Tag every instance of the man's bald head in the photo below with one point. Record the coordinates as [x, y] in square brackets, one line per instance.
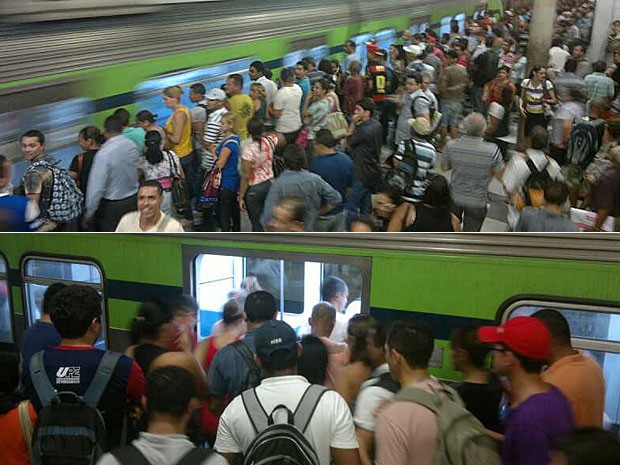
[323, 319]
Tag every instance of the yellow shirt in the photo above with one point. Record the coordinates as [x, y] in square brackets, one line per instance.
[184, 147]
[243, 108]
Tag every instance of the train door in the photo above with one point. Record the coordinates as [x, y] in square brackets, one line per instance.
[595, 330]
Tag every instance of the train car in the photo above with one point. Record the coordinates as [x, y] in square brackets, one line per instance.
[61, 75]
[447, 280]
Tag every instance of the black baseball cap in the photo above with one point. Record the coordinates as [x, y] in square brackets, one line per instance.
[276, 345]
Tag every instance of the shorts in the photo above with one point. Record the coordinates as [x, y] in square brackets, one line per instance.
[532, 120]
[452, 112]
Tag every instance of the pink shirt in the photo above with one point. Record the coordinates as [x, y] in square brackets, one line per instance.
[262, 156]
[406, 433]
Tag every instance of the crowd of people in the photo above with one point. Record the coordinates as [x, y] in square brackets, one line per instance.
[335, 146]
[353, 390]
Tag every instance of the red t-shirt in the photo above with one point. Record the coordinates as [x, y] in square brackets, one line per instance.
[13, 449]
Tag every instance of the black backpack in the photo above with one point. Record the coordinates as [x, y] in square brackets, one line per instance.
[131, 455]
[533, 189]
[402, 175]
[431, 106]
[583, 143]
[385, 381]
[254, 376]
[70, 430]
[282, 443]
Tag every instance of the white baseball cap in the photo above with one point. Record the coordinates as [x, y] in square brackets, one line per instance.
[216, 94]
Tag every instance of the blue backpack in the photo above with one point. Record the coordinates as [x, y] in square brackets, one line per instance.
[583, 143]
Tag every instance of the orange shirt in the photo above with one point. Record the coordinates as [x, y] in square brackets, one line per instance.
[13, 449]
[581, 380]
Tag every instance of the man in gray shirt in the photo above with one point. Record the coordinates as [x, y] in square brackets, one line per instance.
[113, 180]
[171, 398]
[473, 161]
[549, 218]
[295, 181]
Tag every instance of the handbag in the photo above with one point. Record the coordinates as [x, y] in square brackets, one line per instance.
[210, 188]
[302, 138]
[180, 197]
[337, 124]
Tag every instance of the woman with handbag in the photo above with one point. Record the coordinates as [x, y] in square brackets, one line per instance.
[256, 171]
[161, 166]
[227, 157]
[536, 93]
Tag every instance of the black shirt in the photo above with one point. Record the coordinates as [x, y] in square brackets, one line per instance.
[87, 163]
[365, 148]
[144, 354]
[483, 401]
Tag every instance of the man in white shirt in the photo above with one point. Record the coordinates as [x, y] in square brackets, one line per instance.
[257, 73]
[330, 430]
[557, 55]
[336, 292]
[285, 106]
[149, 217]
[213, 135]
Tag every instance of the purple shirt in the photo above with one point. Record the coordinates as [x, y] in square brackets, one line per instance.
[533, 426]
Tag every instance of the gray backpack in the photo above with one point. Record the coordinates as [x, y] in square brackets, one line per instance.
[462, 438]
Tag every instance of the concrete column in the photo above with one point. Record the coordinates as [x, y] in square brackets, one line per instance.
[605, 13]
[541, 31]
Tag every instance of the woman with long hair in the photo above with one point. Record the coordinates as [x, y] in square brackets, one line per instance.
[178, 127]
[227, 155]
[536, 92]
[161, 166]
[258, 94]
[256, 171]
[90, 139]
[433, 214]
[317, 109]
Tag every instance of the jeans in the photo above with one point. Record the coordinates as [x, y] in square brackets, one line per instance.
[229, 214]
[476, 100]
[254, 203]
[358, 202]
[472, 217]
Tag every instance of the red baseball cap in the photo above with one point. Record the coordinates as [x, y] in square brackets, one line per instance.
[524, 335]
[372, 47]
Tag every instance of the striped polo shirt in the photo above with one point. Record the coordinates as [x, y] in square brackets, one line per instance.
[472, 161]
[426, 155]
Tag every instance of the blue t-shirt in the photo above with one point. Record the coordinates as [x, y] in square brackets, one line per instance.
[230, 173]
[305, 88]
[72, 369]
[337, 170]
[15, 217]
[532, 427]
[229, 370]
[39, 336]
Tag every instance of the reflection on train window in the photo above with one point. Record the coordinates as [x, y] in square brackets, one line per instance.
[296, 285]
[385, 38]
[6, 327]
[318, 53]
[149, 93]
[39, 273]
[596, 331]
[445, 25]
[461, 19]
[59, 121]
[360, 48]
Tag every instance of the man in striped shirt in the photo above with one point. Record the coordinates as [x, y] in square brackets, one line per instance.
[213, 135]
[425, 155]
[473, 162]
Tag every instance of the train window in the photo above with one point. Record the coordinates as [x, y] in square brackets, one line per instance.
[6, 326]
[461, 19]
[385, 38]
[445, 25]
[595, 329]
[39, 273]
[295, 282]
[148, 94]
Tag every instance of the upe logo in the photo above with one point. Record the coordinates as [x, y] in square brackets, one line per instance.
[68, 375]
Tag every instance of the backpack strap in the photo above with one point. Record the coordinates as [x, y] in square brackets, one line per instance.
[102, 377]
[307, 405]
[532, 166]
[195, 456]
[164, 224]
[243, 350]
[419, 396]
[256, 412]
[387, 382]
[130, 455]
[42, 385]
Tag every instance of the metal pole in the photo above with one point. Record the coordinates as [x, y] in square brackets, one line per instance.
[541, 31]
